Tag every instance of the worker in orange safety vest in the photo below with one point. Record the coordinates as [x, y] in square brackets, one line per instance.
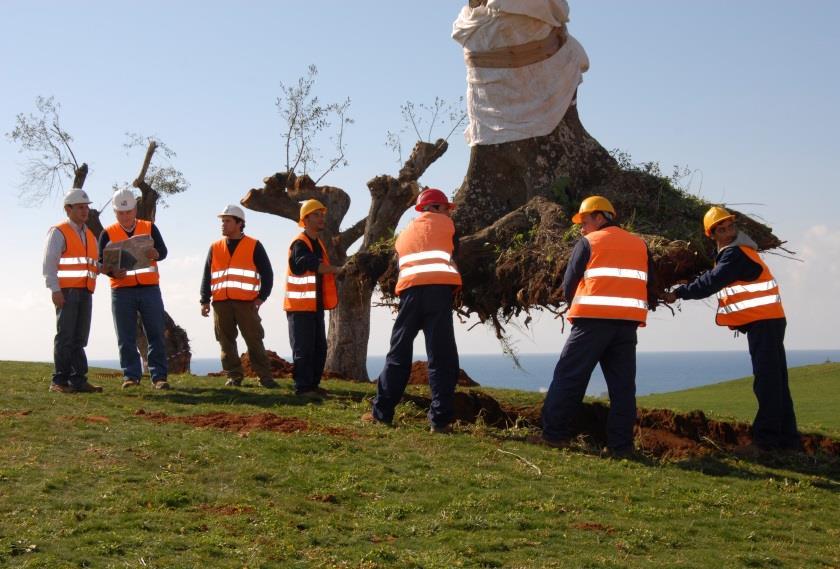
[310, 290]
[70, 269]
[749, 301]
[427, 282]
[607, 285]
[238, 278]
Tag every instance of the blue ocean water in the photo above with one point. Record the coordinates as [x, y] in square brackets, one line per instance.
[656, 372]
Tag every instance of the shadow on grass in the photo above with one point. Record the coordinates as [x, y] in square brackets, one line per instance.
[824, 469]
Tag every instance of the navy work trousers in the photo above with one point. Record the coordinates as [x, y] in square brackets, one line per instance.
[71, 336]
[611, 343]
[126, 304]
[427, 308]
[308, 337]
[775, 423]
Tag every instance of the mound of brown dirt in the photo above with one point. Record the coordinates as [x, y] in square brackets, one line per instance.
[658, 432]
[244, 424]
[420, 376]
[279, 366]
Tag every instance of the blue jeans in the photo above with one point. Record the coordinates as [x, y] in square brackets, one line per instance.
[775, 422]
[427, 308]
[126, 303]
[593, 341]
[72, 327]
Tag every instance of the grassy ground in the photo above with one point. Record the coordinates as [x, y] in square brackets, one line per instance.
[87, 482]
[815, 390]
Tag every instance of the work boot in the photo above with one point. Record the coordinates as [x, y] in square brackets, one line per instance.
[370, 419]
[161, 384]
[269, 383]
[310, 394]
[323, 392]
[620, 453]
[441, 430]
[87, 388]
[61, 388]
[128, 383]
[232, 382]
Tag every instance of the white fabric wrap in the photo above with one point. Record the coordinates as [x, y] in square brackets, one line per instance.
[515, 104]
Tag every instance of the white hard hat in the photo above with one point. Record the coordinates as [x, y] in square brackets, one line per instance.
[124, 200]
[76, 196]
[234, 211]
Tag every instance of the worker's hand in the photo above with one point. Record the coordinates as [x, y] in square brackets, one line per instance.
[257, 303]
[58, 299]
[668, 297]
[118, 273]
[152, 254]
[205, 310]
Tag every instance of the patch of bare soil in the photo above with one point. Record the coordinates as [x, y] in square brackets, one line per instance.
[93, 419]
[226, 510]
[13, 413]
[420, 375]
[244, 424]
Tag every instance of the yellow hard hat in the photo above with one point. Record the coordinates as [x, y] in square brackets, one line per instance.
[714, 216]
[593, 203]
[308, 207]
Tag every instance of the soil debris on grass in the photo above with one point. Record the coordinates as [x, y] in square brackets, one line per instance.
[15, 413]
[93, 419]
[420, 375]
[226, 510]
[244, 424]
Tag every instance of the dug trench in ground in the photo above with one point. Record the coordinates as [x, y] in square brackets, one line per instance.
[658, 432]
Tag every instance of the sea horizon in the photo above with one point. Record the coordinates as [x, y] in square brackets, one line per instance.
[657, 371]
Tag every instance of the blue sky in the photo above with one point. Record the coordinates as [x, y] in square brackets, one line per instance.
[745, 93]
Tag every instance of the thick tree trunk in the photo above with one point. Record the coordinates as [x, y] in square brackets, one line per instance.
[350, 326]
[390, 197]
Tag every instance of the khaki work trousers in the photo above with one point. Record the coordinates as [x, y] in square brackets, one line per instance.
[230, 315]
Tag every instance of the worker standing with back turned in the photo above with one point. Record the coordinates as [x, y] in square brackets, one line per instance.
[607, 286]
[426, 286]
[749, 301]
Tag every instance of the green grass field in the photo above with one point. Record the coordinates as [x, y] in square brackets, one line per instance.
[86, 481]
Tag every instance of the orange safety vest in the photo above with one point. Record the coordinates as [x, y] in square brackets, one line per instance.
[614, 285]
[234, 278]
[302, 290]
[425, 252]
[77, 267]
[147, 276]
[743, 302]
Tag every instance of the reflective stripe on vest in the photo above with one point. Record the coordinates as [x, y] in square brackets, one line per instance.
[614, 283]
[302, 290]
[145, 276]
[78, 264]
[234, 277]
[743, 302]
[425, 252]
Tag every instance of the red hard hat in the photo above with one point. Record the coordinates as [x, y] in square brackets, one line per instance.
[432, 196]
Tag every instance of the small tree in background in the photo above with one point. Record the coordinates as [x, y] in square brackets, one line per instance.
[51, 161]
